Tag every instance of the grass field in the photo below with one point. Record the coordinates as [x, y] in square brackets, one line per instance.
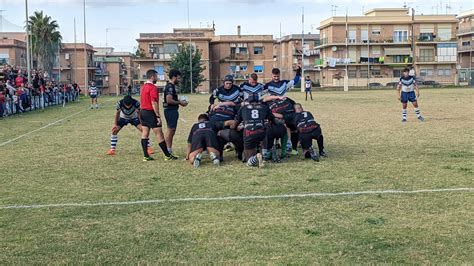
[369, 149]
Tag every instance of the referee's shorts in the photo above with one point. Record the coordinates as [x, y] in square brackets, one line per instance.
[149, 119]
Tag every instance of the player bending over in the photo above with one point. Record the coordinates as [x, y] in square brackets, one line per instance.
[203, 137]
[128, 112]
[308, 129]
[254, 114]
[407, 90]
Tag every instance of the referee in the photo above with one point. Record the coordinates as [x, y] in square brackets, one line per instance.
[150, 116]
[171, 105]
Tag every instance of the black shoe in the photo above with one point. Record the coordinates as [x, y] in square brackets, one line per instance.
[323, 154]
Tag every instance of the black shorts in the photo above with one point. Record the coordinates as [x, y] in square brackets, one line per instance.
[276, 131]
[252, 138]
[93, 96]
[288, 117]
[123, 122]
[149, 119]
[306, 139]
[171, 116]
[203, 140]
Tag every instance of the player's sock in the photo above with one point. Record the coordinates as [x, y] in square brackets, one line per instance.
[113, 141]
[164, 148]
[404, 114]
[149, 143]
[294, 141]
[417, 112]
[252, 161]
[145, 148]
[170, 150]
[284, 142]
[215, 160]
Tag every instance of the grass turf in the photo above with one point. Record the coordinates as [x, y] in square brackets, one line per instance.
[369, 149]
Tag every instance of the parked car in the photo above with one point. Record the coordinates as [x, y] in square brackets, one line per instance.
[375, 85]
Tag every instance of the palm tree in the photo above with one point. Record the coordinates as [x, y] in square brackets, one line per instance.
[45, 39]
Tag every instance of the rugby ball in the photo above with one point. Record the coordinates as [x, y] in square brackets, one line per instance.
[184, 99]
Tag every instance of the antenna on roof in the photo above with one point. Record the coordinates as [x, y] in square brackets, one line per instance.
[333, 10]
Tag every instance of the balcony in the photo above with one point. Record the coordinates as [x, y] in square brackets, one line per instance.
[430, 38]
[101, 73]
[237, 58]
[466, 48]
[465, 31]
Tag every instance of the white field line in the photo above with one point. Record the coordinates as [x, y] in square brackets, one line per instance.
[235, 198]
[184, 121]
[45, 126]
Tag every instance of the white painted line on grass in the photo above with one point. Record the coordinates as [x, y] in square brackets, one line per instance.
[184, 121]
[45, 126]
[235, 198]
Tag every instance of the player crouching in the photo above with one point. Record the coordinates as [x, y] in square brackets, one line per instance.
[203, 136]
[128, 111]
[308, 130]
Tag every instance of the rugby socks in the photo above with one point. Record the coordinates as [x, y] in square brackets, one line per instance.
[417, 112]
[113, 141]
[294, 140]
[170, 150]
[284, 142]
[253, 161]
[164, 148]
[149, 143]
[145, 148]
[320, 141]
[404, 114]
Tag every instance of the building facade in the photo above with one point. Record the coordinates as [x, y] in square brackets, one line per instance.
[383, 42]
[465, 36]
[13, 49]
[71, 66]
[155, 51]
[113, 70]
[241, 55]
[289, 55]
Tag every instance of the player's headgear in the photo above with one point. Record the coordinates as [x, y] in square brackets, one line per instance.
[229, 78]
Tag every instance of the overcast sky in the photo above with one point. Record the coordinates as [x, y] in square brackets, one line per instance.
[125, 19]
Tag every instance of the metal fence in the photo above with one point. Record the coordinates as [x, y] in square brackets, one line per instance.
[13, 106]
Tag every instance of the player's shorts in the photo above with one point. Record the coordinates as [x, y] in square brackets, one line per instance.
[408, 97]
[149, 119]
[306, 139]
[93, 96]
[203, 140]
[307, 89]
[276, 131]
[252, 138]
[123, 122]
[171, 116]
[288, 117]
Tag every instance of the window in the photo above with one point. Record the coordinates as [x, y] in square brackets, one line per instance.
[426, 55]
[243, 68]
[400, 58]
[258, 69]
[444, 32]
[400, 36]
[376, 30]
[444, 72]
[447, 52]
[397, 72]
[352, 74]
[363, 73]
[364, 35]
[468, 43]
[258, 50]
[353, 53]
[243, 50]
[425, 72]
[170, 48]
[352, 36]
[66, 56]
[376, 72]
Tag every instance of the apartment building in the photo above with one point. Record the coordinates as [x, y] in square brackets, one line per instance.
[289, 54]
[113, 70]
[155, 51]
[465, 36]
[13, 49]
[241, 55]
[383, 42]
[70, 64]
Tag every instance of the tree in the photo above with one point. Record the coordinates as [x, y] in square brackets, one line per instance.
[45, 39]
[181, 62]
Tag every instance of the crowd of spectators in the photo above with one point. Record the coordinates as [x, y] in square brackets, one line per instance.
[17, 95]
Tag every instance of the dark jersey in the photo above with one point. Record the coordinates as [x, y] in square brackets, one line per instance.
[170, 89]
[254, 116]
[223, 95]
[284, 107]
[304, 122]
[248, 89]
[206, 127]
[128, 113]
